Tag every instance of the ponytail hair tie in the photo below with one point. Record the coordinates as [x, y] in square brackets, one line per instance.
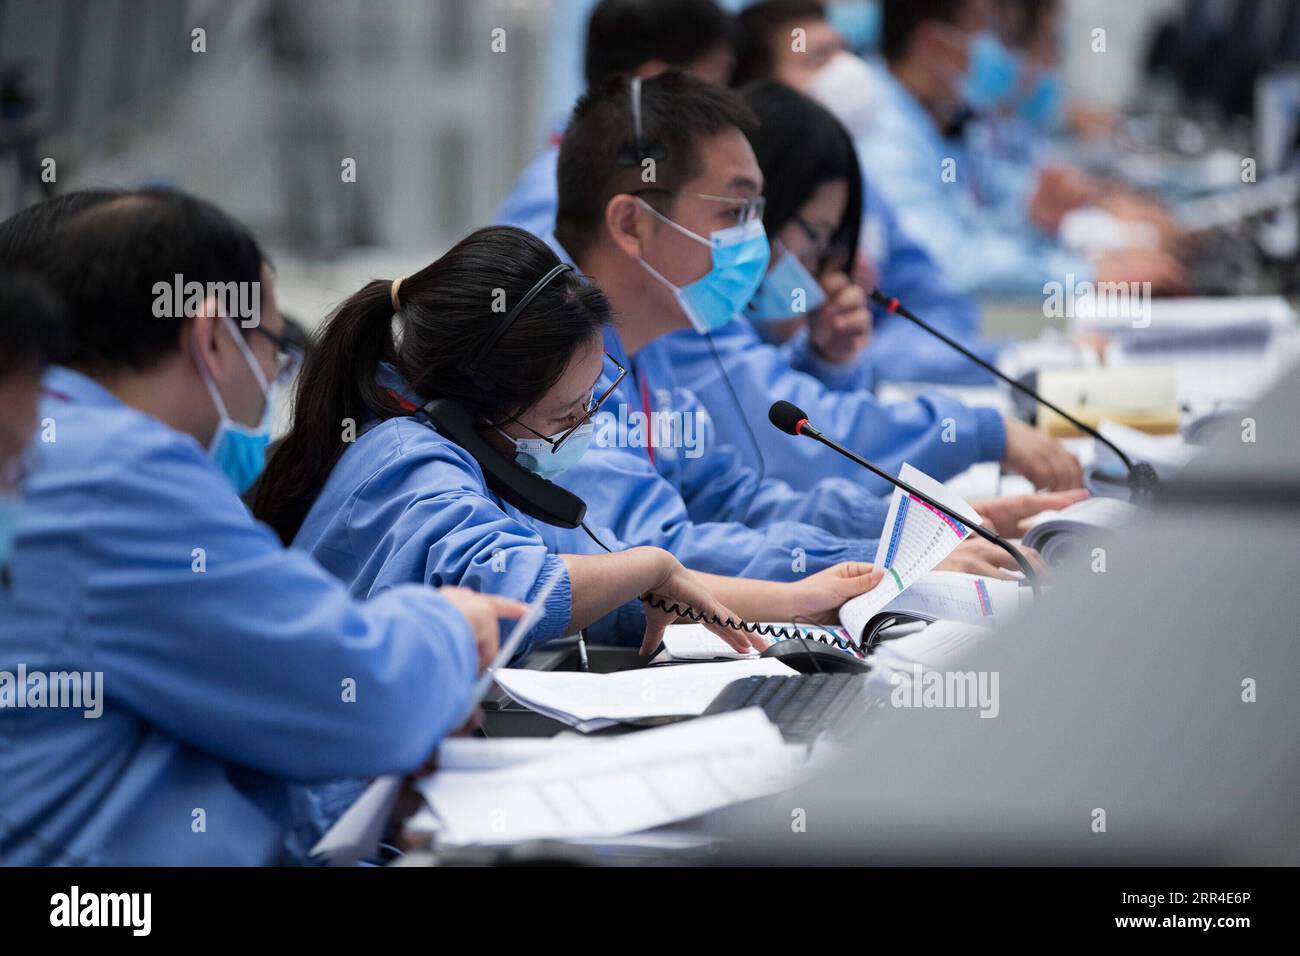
[392, 294]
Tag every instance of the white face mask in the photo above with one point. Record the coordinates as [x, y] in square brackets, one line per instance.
[541, 457]
[238, 450]
[848, 87]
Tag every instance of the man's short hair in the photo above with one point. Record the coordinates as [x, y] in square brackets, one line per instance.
[31, 324]
[625, 34]
[26, 236]
[900, 19]
[760, 27]
[599, 158]
[111, 256]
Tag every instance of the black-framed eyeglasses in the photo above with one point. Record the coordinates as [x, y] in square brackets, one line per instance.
[593, 406]
[288, 355]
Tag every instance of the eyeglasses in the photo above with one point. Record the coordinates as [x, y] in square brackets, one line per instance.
[824, 246]
[288, 355]
[746, 210]
[593, 406]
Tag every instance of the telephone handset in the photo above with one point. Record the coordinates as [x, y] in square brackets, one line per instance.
[547, 501]
[527, 491]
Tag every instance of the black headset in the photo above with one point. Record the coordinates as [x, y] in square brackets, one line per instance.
[638, 150]
[526, 490]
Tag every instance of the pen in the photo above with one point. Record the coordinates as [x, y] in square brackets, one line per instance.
[583, 664]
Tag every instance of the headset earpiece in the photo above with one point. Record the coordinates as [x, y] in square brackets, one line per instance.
[637, 151]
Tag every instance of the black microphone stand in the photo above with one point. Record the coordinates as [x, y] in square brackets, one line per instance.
[1142, 478]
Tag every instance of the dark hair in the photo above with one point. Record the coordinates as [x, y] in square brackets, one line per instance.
[799, 146]
[1026, 18]
[26, 236]
[757, 34]
[31, 324]
[900, 19]
[448, 311]
[625, 34]
[111, 255]
[677, 111]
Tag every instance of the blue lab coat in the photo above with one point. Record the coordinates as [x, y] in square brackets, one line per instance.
[407, 505]
[905, 157]
[223, 658]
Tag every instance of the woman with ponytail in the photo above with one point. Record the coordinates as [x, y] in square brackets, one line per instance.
[381, 497]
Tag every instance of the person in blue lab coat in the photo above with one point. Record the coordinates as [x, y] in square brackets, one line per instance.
[943, 64]
[33, 332]
[886, 256]
[688, 260]
[513, 339]
[220, 673]
[915, 431]
[638, 38]
[816, 332]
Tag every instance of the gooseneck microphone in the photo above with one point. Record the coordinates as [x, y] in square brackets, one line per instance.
[791, 420]
[1142, 478]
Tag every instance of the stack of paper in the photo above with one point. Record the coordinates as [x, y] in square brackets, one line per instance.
[1062, 536]
[617, 786]
[933, 647]
[952, 596]
[592, 701]
[1167, 454]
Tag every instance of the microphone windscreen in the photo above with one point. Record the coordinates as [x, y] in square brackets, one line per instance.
[786, 417]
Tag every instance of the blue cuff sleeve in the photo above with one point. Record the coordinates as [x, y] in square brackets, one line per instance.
[623, 627]
[558, 610]
[991, 434]
[315, 809]
[854, 376]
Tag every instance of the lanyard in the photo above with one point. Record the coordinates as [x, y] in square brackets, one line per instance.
[649, 414]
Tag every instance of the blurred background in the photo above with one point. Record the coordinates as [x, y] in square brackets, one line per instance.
[439, 125]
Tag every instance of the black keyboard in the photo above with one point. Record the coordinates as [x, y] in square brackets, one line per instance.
[801, 705]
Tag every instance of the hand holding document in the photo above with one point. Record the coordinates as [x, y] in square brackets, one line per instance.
[952, 596]
[915, 539]
[1061, 537]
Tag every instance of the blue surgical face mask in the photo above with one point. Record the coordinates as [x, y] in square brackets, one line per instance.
[1044, 105]
[992, 74]
[740, 256]
[238, 450]
[541, 457]
[10, 506]
[857, 22]
[788, 290]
